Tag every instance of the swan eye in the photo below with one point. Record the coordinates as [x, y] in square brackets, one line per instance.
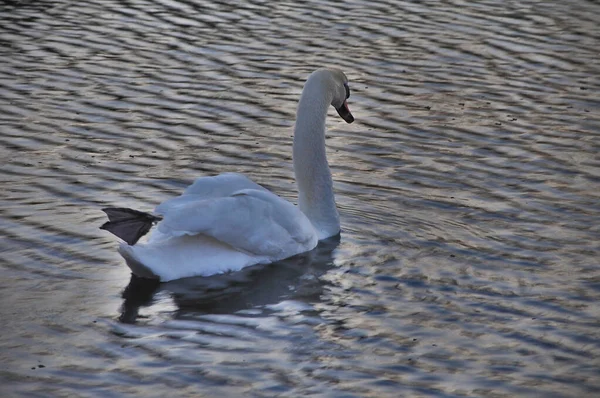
[347, 90]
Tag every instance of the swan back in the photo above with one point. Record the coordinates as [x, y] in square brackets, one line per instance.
[209, 229]
[209, 188]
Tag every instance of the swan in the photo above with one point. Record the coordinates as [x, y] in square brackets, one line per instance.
[227, 222]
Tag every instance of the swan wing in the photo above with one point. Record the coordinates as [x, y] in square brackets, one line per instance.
[222, 185]
[253, 221]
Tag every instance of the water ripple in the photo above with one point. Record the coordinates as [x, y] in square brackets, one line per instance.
[467, 264]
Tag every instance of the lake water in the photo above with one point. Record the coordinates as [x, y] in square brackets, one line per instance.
[468, 188]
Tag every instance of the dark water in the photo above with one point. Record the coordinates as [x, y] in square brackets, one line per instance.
[469, 193]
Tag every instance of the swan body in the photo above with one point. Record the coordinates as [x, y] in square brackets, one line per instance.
[227, 222]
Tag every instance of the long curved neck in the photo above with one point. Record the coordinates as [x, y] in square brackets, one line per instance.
[313, 177]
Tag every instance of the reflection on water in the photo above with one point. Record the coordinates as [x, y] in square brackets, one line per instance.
[297, 278]
[467, 188]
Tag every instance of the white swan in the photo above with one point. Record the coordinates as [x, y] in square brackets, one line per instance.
[228, 222]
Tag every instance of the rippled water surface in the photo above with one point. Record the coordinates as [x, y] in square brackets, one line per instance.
[468, 188]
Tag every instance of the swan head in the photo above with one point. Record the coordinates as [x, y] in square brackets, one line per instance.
[341, 93]
[336, 83]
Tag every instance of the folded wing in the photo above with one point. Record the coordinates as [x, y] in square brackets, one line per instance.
[253, 221]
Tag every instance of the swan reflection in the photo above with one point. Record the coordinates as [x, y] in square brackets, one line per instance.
[296, 278]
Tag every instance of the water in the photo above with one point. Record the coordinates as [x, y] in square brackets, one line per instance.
[468, 190]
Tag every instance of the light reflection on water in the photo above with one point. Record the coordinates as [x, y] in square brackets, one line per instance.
[468, 263]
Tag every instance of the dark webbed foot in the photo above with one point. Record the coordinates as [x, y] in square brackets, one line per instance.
[128, 224]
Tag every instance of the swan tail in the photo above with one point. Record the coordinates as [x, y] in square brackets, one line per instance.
[128, 224]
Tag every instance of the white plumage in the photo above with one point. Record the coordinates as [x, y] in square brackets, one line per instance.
[227, 222]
